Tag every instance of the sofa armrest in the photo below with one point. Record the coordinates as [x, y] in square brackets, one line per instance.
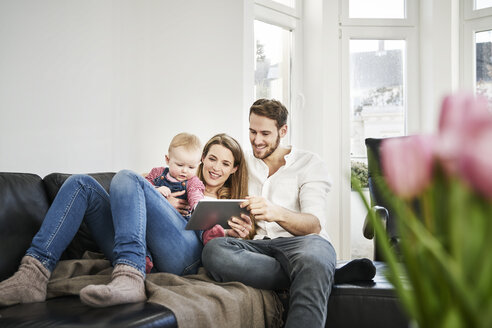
[23, 205]
[381, 213]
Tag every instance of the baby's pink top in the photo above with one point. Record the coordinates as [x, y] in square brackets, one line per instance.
[194, 186]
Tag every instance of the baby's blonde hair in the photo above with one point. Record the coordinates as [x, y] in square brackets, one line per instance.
[186, 140]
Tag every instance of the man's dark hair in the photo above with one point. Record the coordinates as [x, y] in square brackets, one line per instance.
[271, 108]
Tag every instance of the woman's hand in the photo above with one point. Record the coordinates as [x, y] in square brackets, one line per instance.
[180, 204]
[240, 226]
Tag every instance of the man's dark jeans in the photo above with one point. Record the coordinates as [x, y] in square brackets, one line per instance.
[305, 264]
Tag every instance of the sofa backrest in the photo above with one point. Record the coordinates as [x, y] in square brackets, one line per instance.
[83, 240]
[23, 205]
[54, 181]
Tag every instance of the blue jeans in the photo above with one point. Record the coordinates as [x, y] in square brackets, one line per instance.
[305, 264]
[132, 218]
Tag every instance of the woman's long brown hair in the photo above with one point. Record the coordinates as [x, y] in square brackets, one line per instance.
[236, 186]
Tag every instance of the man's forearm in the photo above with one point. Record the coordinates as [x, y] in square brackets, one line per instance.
[298, 224]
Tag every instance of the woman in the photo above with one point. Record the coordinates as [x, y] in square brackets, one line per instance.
[134, 217]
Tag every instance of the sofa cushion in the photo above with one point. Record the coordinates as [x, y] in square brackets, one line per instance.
[366, 304]
[82, 241]
[23, 205]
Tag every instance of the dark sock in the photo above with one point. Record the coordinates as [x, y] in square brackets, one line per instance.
[355, 270]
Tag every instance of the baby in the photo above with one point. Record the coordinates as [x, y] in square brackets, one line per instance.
[184, 155]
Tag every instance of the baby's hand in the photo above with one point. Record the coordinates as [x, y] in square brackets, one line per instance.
[165, 191]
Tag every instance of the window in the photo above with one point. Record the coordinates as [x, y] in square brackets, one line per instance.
[378, 13]
[476, 70]
[272, 66]
[276, 43]
[481, 4]
[379, 57]
[483, 64]
[377, 8]
[377, 92]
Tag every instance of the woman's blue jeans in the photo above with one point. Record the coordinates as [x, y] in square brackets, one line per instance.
[132, 218]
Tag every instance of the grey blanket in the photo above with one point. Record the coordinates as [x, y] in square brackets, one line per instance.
[195, 300]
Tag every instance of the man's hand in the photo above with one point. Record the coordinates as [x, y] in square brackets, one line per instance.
[165, 191]
[240, 226]
[298, 224]
[262, 208]
[180, 204]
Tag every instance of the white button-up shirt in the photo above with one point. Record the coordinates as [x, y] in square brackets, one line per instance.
[301, 185]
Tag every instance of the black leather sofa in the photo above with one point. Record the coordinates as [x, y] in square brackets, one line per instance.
[24, 200]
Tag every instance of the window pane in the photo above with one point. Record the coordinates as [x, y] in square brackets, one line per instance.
[481, 4]
[377, 102]
[289, 3]
[377, 9]
[272, 69]
[377, 92]
[483, 46]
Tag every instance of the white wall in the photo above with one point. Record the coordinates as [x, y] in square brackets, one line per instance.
[439, 57]
[90, 86]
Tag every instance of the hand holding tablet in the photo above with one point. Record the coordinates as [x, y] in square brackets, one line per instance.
[210, 212]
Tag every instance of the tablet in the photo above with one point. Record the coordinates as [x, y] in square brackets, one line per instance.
[209, 212]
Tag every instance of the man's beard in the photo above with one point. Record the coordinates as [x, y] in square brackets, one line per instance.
[269, 150]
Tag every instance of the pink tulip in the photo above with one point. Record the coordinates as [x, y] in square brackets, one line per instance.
[460, 108]
[407, 164]
[460, 112]
[476, 157]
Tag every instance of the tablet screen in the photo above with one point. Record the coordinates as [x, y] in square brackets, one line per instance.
[210, 212]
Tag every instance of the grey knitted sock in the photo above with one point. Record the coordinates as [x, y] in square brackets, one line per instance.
[127, 286]
[27, 285]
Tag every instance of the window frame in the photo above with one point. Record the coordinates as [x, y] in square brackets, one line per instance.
[289, 18]
[351, 28]
[470, 13]
[412, 119]
[280, 8]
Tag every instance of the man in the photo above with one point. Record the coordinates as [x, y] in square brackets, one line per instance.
[289, 189]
